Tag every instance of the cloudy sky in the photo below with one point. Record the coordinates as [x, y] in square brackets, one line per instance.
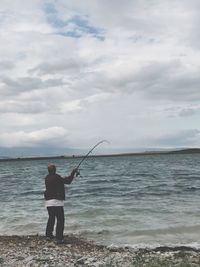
[75, 72]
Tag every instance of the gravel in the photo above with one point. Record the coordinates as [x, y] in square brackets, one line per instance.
[35, 251]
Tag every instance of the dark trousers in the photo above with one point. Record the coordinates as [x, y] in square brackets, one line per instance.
[58, 214]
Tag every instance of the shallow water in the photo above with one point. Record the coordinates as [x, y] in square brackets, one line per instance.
[133, 200]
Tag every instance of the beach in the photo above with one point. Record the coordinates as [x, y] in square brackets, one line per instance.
[35, 250]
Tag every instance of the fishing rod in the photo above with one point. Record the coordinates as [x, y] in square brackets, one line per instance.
[84, 158]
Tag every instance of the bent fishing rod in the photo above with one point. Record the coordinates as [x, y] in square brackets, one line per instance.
[86, 156]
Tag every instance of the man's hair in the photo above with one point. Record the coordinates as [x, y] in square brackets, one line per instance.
[51, 169]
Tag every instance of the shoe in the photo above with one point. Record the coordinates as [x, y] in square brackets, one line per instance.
[60, 241]
[49, 238]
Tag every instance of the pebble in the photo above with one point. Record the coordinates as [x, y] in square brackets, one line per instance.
[35, 251]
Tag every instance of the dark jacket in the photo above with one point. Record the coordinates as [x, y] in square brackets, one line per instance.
[55, 188]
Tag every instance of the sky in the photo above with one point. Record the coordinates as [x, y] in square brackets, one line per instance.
[75, 72]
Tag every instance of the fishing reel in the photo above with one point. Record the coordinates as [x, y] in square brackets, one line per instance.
[77, 168]
[78, 173]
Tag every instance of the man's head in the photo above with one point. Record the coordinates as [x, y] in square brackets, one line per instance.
[51, 169]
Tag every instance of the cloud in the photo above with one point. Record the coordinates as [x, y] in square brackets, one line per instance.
[20, 17]
[168, 80]
[71, 106]
[122, 69]
[187, 112]
[11, 86]
[184, 138]
[31, 107]
[81, 104]
[6, 65]
[183, 110]
[70, 24]
[68, 65]
[53, 136]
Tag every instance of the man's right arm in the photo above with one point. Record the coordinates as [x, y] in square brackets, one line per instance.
[69, 179]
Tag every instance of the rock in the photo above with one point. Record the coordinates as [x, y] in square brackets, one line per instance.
[29, 258]
[81, 260]
[99, 264]
[83, 254]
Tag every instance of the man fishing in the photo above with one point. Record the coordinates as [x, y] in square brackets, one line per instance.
[54, 201]
[55, 196]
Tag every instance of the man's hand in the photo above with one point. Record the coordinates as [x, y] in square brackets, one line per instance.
[75, 172]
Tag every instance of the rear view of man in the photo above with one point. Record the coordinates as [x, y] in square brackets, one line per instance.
[54, 201]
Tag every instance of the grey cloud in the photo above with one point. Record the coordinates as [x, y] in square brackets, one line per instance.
[187, 112]
[47, 136]
[31, 107]
[65, 64]
[146, 19]
[53, 68]
[189, 31]
[168, 81]
[182, 138]
[157, 81]
[164, 80]
[15, 86]
[6, 65]
[146, 76]
[174, 112]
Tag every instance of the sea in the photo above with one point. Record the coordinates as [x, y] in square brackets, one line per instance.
[136, 201]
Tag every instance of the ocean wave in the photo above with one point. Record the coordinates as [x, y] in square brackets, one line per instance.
[192, 188]
[93, 232]
[143, 232]
[186, 188]
[120, 194]
[165, 231]
[31, 192]
[145, 193]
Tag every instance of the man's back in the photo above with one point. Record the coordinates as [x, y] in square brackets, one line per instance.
[54, 187]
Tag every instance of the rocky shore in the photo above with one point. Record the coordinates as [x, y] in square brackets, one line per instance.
[37, 251]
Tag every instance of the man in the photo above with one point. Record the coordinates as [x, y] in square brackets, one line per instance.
[54, 201]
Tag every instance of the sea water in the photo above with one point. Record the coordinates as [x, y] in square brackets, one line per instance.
[138, 201]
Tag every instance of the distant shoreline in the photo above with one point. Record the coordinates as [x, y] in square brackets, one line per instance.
[147, 153]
